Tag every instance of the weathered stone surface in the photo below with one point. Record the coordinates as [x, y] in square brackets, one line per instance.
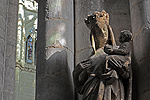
[137, 23]
[60, 9]
[1, 78]
[55, 50]
[83, 45]
[55, 80]
[82, 33]
[8, 31]
[119, 12]
[142, 79]
[140, 14]
[60, 30]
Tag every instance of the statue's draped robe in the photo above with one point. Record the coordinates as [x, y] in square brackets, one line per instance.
[98, 80]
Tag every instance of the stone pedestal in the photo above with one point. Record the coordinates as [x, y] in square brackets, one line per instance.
[55, 50]
[140, 18]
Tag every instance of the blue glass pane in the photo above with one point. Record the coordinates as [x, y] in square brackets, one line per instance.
[29, 61]
[29, 49]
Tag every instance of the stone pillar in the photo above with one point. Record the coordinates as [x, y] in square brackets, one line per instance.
[140, 20]
[55, 50]
[8, 34]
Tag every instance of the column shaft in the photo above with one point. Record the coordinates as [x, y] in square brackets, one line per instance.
[8, 34]
[55, 50]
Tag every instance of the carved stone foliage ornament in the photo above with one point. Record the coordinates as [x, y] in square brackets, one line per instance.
[106, 75]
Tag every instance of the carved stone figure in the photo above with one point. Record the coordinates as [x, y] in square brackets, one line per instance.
[101, 32]
[107, 74]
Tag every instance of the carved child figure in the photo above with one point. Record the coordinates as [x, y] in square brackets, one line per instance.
[117, 68]
[120, 58]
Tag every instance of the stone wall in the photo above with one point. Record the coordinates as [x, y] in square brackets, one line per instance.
[8, 32]
[140, 18]
[119, 14]
[25, 85]
[83, 46]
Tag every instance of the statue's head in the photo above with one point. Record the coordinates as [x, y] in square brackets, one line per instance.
[125, 36]
[99, 18]
[90, 21]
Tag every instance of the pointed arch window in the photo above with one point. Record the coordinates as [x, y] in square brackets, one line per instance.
[29, 49]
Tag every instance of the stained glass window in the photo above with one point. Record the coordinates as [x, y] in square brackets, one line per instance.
[29, 49]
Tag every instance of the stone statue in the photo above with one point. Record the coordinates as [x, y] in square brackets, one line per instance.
[107, 74]
[101, 32]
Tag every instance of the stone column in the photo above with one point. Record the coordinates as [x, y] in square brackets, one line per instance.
[140, 20]
[8, 34]
[55, 50]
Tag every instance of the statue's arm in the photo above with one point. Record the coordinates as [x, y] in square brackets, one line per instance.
[119, 51]
[122, 50]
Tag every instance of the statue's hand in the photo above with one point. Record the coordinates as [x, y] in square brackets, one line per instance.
[108, 49]
[108, 46]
